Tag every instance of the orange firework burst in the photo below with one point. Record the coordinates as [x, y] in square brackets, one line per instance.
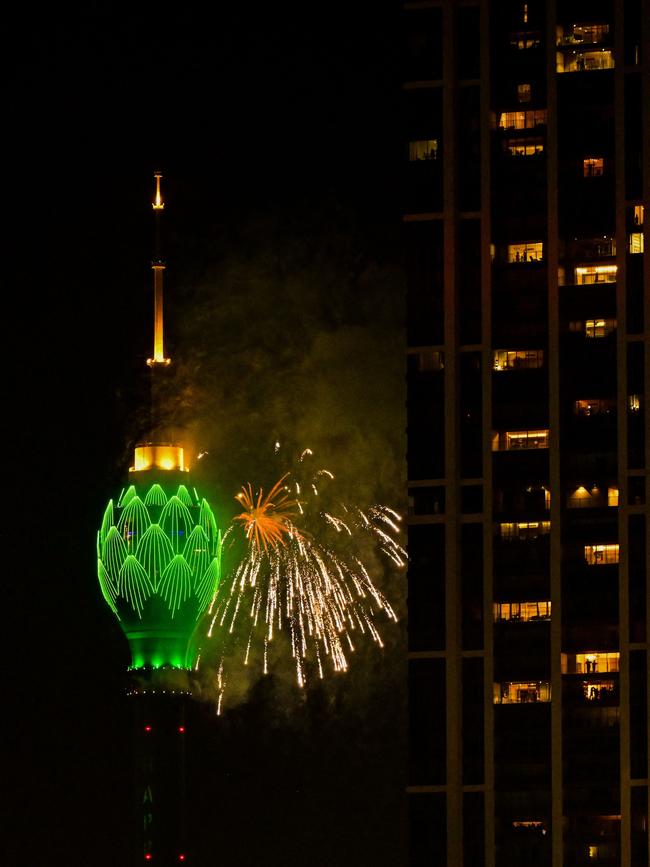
[267, 519]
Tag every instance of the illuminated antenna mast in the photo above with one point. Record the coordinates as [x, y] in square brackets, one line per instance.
[158, 267]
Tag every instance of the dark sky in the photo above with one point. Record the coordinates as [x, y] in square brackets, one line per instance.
[256, 117]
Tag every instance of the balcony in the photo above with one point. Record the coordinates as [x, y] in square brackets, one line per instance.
[517, 359]
[588, 274]
[522, 612]
[592, 692]
[584, 60]
[592, 498]
[519, 440]
[601, 555]
[573, 35]
[591, 662]
[522, 692]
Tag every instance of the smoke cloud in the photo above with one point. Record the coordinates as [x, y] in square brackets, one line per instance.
[294, 335]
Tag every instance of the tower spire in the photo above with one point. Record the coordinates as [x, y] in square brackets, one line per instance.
[158, 267]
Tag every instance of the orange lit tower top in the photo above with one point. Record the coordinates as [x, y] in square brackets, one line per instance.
[156, 454]
[158, 267]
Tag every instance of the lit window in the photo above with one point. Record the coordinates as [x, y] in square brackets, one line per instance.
[522, 692]
[592, 852]
[598, 690]
[525, 13]
[524, 92]
[522, 611]
[530, 825]
[591, 662]
[599, 327]
[163, 457]
[601, 555]
[516, 440]
[634, 402]
[518, 359]
[638, 215]
[598, 406]
[523, 119]
[582, 34]
[532, 251]
[523, 147]
[524, 41]
[585, 60]
[423, 150]
[429, 360]
[593, 167]
[581, 498]
[636, 242]
[592, 498]
[595, 274]
[510, 531]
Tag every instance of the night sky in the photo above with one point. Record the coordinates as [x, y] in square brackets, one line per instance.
[278, 135]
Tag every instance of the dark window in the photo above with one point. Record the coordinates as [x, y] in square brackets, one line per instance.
[425, 413]
[473, 708]
[474, 829]
[427, 732]
[424, 282]
[639, 829]
[469, 148]
[469, 280]
[428, 830]
[426, 586]
[468, 42]
[637, 574]
[472, 585]
[471, 421]
[422, 44]
[638, 715]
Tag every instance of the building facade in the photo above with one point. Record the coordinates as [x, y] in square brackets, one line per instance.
[526, 200]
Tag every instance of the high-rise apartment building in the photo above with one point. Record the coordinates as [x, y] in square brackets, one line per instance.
[527, 200]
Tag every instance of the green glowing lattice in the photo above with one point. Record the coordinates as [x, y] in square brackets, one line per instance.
[159, 566]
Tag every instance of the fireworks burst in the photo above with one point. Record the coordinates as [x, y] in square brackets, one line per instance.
[266, 520]
[295, 575]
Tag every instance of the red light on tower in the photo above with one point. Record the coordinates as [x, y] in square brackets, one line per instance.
[147, 729]
[148, 856]
[181, 857]
[181, 729]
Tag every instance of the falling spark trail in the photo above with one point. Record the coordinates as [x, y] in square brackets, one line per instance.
[291, 579]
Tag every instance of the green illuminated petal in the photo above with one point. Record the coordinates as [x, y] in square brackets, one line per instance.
[176, 521]
[176, 583]
[134, 584]
[134, 521]
[114, 553]
[107, 521]
[155, 496]
[207, 586]
[197, 551]
[207, 521]
[125, 498]
[109, 591]
[184, 496]
[154, 552]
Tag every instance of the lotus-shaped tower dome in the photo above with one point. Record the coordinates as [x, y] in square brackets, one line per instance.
[159, 564]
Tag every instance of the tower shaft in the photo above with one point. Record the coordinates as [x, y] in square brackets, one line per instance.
[158, 322]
